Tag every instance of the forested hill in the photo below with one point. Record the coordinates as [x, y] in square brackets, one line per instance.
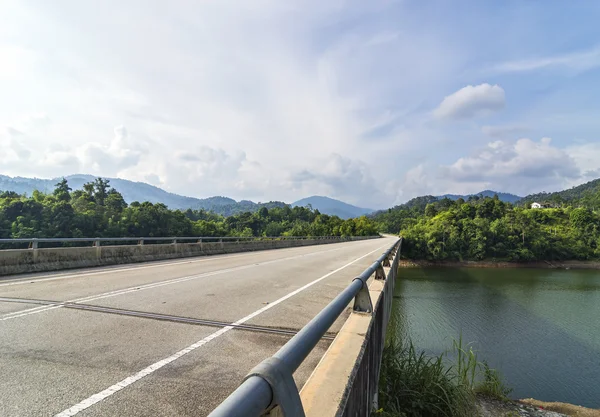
[490, 229]
[419, 203]
[506, 197]
[98, 210]
[585, 195]
[138, 191]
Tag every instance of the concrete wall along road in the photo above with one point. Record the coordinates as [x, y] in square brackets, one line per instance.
[16, 261]
[345, 382]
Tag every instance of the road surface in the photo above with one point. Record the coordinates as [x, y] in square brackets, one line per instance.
[156, 339]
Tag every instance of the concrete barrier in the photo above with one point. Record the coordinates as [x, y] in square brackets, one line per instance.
[16, 261]
[345, 382]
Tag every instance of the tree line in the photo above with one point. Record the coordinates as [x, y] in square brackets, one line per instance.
[99, 210]
[584, 195]
[490, 229]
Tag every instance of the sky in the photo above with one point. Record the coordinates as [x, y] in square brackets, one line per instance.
[369, 102]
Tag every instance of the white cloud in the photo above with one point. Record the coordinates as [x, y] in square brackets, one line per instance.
[268, 100]
[230, 99]
[211, 164]
[417, 181]
[521, 167]
[14, 145]
[16, 62]
[577, 62]
[518, 166]
[587, 156]
[111, 159]
[471, 101]
[340, 177]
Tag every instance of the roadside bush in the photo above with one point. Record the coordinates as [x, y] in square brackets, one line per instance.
[413, 384]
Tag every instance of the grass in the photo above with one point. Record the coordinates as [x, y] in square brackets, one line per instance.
[413, 384]
[492, 384]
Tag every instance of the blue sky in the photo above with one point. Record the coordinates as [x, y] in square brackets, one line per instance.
[370, 102]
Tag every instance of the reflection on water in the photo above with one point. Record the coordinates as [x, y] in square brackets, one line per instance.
[539, 327]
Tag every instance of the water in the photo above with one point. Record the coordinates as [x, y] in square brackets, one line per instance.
[539, 327]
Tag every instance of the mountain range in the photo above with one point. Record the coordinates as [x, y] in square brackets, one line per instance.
[506, 197]
[140, 191]
[333, 207]
[421, 202]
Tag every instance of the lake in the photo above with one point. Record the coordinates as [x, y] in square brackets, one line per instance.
[539, 327]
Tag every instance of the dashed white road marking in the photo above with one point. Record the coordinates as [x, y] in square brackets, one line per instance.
[88, 402]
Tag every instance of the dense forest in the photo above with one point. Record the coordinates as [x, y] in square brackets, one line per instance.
[488, 228]
[100, 211]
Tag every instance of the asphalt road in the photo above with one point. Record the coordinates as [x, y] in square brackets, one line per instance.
[80, 342]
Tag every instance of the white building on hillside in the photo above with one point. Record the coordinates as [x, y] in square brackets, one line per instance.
[536, 205]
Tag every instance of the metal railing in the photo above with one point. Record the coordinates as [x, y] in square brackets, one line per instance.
[270, 386]
[33, 243]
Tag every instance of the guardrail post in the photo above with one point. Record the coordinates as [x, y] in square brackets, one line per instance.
[141, 242]
[200, 242]
[221, 242]
[286, 398]
[33, 245]
[98, 250]
[362, 301]
[380, 273]
[174, 241]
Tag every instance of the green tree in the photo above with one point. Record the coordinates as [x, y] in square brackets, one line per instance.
[581, 217]
[62, 192]
[101, 190]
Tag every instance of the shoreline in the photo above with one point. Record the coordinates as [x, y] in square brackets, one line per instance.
[490, 407]
[418, 263]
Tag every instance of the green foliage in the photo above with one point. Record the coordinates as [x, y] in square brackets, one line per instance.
[487, 228]
[466, 363]
[492, 384]
[413, 384]
[478, 376]
[100, 211]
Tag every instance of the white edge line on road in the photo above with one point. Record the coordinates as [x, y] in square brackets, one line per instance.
[190, 260]
[88, 402]
[41, 309]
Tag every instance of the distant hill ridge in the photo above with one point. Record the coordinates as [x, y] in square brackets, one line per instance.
[140, 191]
[506, 197]
[421, 202]
[333, 207]
[587, 194]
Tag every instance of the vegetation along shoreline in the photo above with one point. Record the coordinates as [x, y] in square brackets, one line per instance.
[419, 263]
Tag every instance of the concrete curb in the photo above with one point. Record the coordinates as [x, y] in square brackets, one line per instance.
[18, 261]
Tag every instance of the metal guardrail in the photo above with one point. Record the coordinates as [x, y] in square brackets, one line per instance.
[97, 241]
[270, 386]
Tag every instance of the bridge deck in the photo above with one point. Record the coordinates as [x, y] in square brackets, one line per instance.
[80, 342]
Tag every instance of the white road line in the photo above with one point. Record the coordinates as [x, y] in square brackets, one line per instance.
[88, 402]
[191, 260]
[41, 309]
